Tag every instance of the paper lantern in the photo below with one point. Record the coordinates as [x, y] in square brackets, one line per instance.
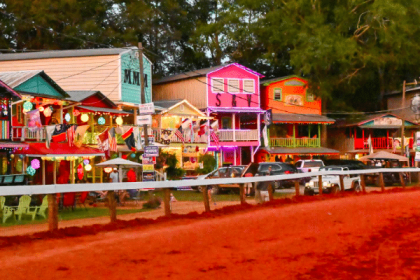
[101, 121]
[30, 170]
[86, 161]
[47, 112]
[119, 121]
[124, 156]
[88, 167]
[76, 112]
[108, 169]
[67, 117]
[133, 155]
[35, 164]
[80, 172]
[84, 117]
[27, 106]
[41, 109]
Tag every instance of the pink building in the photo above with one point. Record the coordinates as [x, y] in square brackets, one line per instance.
[230, 94]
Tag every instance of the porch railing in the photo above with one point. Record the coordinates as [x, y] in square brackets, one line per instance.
[175, 139]
[295, 142]
[23, 133]
[378, 143]
[230, 135]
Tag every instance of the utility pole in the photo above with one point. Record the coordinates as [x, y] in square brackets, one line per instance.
[403, 121]
[142, 94]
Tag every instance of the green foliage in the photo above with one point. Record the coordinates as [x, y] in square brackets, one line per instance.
[209, 164]
[172, 171]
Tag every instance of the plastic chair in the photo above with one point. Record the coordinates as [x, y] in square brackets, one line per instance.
[24, 209]
[69, 200]
[43, 207]
[82, 199]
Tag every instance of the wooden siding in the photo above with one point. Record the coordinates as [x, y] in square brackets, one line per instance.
[194, 90]
[66, 72]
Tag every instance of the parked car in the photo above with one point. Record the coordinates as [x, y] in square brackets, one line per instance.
[278, 168]
[308, 165]
[331, 183]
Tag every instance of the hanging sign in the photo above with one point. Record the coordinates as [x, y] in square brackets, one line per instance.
[151, 140]
[148, 167]
[148, 176]
[417, 157]
[148, 160]
[146, 109]
[144, 120]
[151, 151]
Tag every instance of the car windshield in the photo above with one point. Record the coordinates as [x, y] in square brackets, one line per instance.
[330, 169]
[313, 164]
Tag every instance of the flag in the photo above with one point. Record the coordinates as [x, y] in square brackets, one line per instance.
[103, 142]
[179, 134]
[34, 120]
[49, 131]
[186, 124]
[59, 134]
[128, 137]
[265, 136]
[71, 133]
[203, 126]
[215, 138]
[137, 138]
[79, 134]
[112, 140]
[215, 126]
[191, 131]
[370, 145]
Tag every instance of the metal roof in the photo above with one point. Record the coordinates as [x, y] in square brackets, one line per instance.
[63, 53]
[278, 79]
[80, 95]
[301, 151]
[166, 104]
[186, 75]
[304, 118]
[105, 110]
[6, 90]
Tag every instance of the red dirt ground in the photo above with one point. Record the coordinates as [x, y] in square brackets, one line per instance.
[353, 237]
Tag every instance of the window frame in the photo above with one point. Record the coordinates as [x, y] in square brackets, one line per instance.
[274, 94]
[238, 89]
[253, 86]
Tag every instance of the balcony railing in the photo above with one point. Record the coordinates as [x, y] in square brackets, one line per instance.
[22, 133]
[230, 135]
[378, 143]
[175, 139]
[295, 142]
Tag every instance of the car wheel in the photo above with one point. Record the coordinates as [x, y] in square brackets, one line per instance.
[356, 187]
[216, 190]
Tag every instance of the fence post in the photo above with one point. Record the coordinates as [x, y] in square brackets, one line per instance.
[270, 192]
[381, 181]
[402, 179]
[342, 183]
[242, 193]
[167, 202]
[297, 188]
[363, 182]
[52, 212]
[112, 204]
[320, 184]
[206, 199]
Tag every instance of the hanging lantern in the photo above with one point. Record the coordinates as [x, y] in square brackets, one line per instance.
[80, 172]
[108, 169]
[124, 156]
[30, 170]
[86, 161]
[101, 120]
[27, 106]
[88, 167]
[119, 121]
[76, 112]
[47, 112]
[84, 117]
[67, 117]
[133, 155]
[41, 109]
[35, 164]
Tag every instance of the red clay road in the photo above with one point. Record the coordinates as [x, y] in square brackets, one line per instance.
[357, 237]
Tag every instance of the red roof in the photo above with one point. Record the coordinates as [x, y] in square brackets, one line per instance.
[59, 149]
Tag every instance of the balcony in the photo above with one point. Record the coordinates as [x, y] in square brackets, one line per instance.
[381, 143]
[22, 133]
[237, 135]
[295, 142]
[156, 132]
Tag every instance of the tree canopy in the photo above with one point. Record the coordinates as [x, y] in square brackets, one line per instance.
[351, 51]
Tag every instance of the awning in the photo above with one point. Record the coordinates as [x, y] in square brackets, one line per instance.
[103, 110]
[302, 151]
[237, 110]
[58, 150]
[301, 118]
[13, 145]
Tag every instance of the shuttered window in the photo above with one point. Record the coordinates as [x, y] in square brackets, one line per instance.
[233, 85]
[277, 94]
[217, 85]
[249, 86]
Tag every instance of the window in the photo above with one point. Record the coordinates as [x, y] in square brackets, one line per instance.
[278, 94]
[233, 85]
[217, 85]
[310, 97]
[226, 123]
[249, 86]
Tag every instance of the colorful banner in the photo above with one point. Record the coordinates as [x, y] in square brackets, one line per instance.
[34, 120]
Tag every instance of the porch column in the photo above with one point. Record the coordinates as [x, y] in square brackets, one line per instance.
[92, 128]
[233, 126]
[234, 156]
[61, 113]
[309, 131]
[43, 171]
[55, 171]
[72, 171]
[387, 139]
[319, 135]
[252, 154]
[294, 135]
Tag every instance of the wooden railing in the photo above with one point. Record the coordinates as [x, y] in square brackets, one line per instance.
[175, 139]
[23, 133]
[295, 142]
[377, 143]
[230, 135]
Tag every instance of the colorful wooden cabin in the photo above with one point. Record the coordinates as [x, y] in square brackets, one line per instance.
[354, 136]
[297, 121]
[231, 95]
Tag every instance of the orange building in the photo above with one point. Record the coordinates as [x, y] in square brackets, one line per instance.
[297, 120]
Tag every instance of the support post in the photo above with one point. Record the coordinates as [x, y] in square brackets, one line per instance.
[363, 182]
[234, 126]
[167, 202]
[112, 204]
[403, 121]
[142, 94]
[43, 171]
[381, 181]
[52, 212]
[320, 184]
[297, 188]
[55, 172]
[341, 183]
[294, 135]
[242, 193]
[72, 173]
[206, 199]
[402, 179]
[270, 192]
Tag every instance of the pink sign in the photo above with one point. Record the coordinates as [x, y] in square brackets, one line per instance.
[233, 86]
